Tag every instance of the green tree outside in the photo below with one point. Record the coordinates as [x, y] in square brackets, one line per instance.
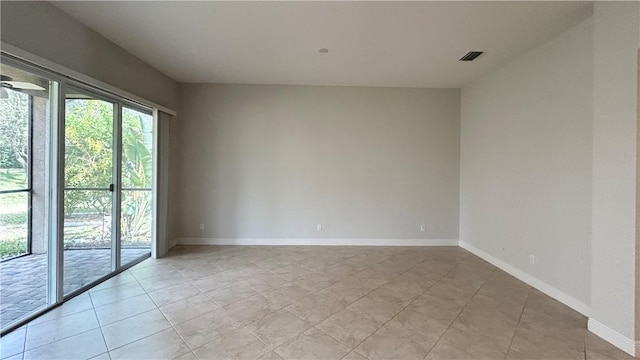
[88, 163]
[14, 150]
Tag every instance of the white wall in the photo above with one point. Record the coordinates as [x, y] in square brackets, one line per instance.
[274, 161]
[525, 184]
[614, 166]
[44, 30]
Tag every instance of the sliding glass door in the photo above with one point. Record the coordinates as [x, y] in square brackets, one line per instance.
[136, 184]
[76, 188]
[15, 172]
[89, 172]
[108, 186]
[25, 118]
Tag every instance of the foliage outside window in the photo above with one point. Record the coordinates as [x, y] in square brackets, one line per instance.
[88, 164]
[14, 166]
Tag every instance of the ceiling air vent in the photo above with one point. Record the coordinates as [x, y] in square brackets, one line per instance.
[471, 55]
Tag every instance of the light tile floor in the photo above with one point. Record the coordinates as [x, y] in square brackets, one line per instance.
[224, 302]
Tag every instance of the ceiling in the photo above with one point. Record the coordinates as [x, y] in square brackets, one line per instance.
[400, 44]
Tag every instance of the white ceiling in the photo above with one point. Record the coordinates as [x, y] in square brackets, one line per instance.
[409, 44]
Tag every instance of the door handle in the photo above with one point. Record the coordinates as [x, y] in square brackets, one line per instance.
[111, 187]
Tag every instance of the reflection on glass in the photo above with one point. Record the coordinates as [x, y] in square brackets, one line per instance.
[14, 224]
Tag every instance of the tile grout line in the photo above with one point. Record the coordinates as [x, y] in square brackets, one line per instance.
[221, 307]
[285, 309]
[157, 332]
[144, 337]
[70, 336]
[259, 293]
[62, 338]
[171, 324]
[519, 320]
[394, 316]
[314, 325]
[317, 272]
[144, 312]
[24, 342]
[99, 325]
[412, 301]
[461, 311]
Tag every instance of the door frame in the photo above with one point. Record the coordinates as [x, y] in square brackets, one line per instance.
[116, 170]
[637, 292]
[116, 195]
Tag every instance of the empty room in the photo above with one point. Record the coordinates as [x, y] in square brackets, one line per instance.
[319, 180]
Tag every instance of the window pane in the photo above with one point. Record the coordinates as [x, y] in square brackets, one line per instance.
[25, 121]
[137, 149]
[135, 224]
[88, 142]
[14, 224]
[87, 237]
[88, 172]
[23, 284]
[87, 219]
[15, 112]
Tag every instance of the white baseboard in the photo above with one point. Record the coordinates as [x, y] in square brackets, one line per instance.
[555, 293]
[316, 241]
[615, 338]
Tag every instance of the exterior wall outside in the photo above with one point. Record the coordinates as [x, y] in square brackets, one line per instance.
[40, 175]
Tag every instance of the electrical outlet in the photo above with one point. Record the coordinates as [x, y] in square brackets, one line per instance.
[532, 259]
[319, 227]
[201, 227]
[423, 228]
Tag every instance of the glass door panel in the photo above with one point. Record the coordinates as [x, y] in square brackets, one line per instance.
[88, 193]
[15, 189]
[137, 182]
[25, 118]
[14, 224]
